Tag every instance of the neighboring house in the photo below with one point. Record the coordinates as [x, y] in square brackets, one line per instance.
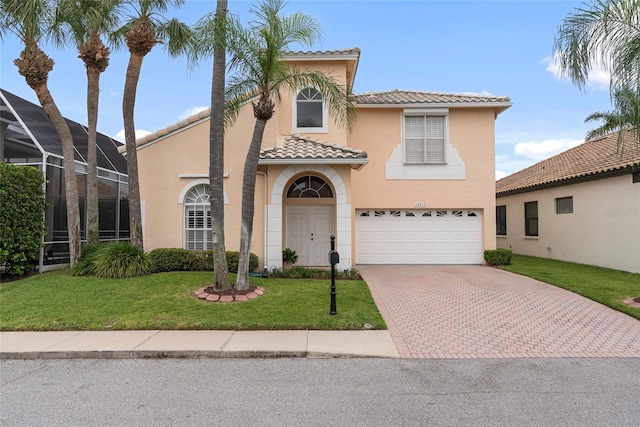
[582, 205]
[27, 137]
[411, 183]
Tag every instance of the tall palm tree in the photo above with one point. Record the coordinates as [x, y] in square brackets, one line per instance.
[31, 20]
[607, 34]
[146, 28]
[255, 54]
[84, 21]
[209, 40]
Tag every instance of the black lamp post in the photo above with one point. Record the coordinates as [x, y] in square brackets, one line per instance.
[334, 258]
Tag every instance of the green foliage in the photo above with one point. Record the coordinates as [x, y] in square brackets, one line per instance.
[177, 259]
[86, 264]
[289, 255]
[314, 273]
[233, 258]
[498, 256]
[120, 260]
[22, 207]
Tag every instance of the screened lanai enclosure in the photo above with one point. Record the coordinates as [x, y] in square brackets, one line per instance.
[27, 137]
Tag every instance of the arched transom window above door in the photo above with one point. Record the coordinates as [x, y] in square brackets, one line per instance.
[309, 112]
[309, 187]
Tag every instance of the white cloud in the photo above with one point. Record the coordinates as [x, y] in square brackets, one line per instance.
[191, 111]
[139, 134]
[500, 174]
[540, 150]
[597, 79]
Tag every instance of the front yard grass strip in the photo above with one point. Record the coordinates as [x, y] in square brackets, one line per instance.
[58, 301]
[604, 285]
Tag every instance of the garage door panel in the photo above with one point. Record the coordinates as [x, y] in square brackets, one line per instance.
[434, 236]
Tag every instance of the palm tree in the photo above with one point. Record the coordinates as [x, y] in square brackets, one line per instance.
[31, 20]
[84, 21]
[607, 35]
[210, 33]
[142, 32]
[626, 113]
[255, 54]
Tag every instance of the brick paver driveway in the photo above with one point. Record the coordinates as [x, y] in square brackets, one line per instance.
[483, 312]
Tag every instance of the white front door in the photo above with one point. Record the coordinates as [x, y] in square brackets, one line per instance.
[309, 230]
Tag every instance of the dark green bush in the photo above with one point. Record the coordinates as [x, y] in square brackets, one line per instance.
[172, 259]
[22, 207]
[296, 272]
[177, 259]
[120, 260]
[498, 256]
[86, 264]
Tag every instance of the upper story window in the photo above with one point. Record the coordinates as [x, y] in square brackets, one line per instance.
[424, 139]
[309, 111]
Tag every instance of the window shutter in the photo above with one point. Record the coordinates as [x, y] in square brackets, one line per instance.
[414, 139]
[435, 139]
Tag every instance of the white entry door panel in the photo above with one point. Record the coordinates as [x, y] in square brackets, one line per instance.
[431, 236]
[309, 229]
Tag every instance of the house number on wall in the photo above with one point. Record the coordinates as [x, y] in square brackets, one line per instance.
[420, 205]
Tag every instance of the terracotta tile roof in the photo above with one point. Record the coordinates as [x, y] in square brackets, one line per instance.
[352, 51]
[596, 156]
[302, 148]
[414, 97]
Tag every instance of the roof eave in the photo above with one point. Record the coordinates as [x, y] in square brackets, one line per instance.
[498, 106]
[359, 162]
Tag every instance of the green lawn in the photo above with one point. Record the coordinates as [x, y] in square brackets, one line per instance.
[609, 287]
[57, 301]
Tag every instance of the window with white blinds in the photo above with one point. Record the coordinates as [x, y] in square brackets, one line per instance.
[424, 139]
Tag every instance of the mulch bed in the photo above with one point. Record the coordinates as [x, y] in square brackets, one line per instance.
[230, 295]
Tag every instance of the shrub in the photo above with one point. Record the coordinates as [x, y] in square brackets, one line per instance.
[22, 207]
[120, 260]
[177, 259]
[233, 259]
[86, 264]
[172, 259]
[498, 256]
[296, 272]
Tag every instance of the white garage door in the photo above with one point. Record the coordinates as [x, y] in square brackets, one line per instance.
[431, 236]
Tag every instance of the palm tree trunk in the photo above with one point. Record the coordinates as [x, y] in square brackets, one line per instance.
[221, 279]
[128, 105]
[70, 179]
[93, 222]
[248, 195]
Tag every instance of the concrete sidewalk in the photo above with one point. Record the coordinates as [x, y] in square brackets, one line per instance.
[183, 344]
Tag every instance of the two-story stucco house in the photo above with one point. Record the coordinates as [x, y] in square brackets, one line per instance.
[411, 183]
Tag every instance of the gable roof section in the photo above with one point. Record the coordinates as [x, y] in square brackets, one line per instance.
[408, 98]
[299, 149]
[596, 158]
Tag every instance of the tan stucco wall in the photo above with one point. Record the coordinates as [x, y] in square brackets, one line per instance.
[603, 230]
[187, 153]
[471, 132]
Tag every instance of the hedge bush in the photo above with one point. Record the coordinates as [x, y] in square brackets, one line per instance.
[498, 256]
[112, 260]
[177, 259]
[22, 207]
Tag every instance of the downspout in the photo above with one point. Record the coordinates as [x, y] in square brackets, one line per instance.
[265, 240]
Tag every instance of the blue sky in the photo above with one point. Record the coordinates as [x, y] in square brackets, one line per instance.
[495, 47]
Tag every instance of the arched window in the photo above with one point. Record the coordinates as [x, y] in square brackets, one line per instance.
[197, 218]
[309, 109]
[309, 187]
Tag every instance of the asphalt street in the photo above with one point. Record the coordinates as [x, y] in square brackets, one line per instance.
[323, 392]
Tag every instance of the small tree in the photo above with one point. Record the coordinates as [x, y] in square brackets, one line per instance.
[22, 207]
